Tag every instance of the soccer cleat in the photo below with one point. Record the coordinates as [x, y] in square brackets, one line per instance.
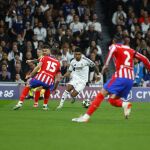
[73, 100]
[127, 109]
[18, 106]
[80, 119]
[35, 105]
[45, 107]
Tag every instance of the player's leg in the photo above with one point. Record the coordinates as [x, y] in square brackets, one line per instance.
[73, 94]
[122, 88]
[79, 86]
[37, 95]
[23, 95]
[69, 88]
[93, 107]
[46, 98]
[118, 102]
[115, 101]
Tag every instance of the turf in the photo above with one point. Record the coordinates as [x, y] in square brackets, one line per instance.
[35, 129]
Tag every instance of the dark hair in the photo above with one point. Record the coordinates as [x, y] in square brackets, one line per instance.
[78, 50]
[45, 47]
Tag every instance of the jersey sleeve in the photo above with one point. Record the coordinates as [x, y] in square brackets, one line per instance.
[143, 59]
[89, 62]
[71, 67]
[42, 59]
[112, 49]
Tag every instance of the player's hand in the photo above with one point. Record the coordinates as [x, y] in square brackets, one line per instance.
[97, 78]
[28, 76]
[28, 61]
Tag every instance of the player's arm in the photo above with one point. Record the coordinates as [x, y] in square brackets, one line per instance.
[143, 59]
[32, 61]
[35, 70]
[57, 80]
[67, 74]
[112, 49]
[92, 64]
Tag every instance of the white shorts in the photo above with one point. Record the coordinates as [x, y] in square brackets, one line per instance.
[78, 85]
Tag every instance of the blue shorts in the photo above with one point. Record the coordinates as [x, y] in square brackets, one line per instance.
[119, 86]
[36, 83]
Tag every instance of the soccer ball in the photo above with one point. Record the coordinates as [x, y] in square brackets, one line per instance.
[86, 103]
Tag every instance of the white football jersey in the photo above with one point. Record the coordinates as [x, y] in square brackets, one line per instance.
[80, 69]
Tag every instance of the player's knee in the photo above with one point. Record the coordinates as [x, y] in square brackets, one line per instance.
[74, 94]
[69, 88]
[111, 101]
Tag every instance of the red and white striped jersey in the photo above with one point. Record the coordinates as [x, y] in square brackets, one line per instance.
[123, 59]
[50, 67]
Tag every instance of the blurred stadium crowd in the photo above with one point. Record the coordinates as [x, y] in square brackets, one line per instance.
[25, 25]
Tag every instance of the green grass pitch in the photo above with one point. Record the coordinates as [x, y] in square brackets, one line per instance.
[34, 129]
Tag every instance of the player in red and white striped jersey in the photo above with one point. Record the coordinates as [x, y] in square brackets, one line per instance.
[121, 82]
[49, 70]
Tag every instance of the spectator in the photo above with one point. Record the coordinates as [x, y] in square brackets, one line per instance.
[17, 70]
[145, 25]
[40, 32]
[11, 54]
[86, 22]
[92, 47]
[90, 35]
[44, 6]
[67, 6]
[138, 71]
[67, 38]
[117, 14]
[97, 25]
[70, 16]
[76, 26]
[18, 79]
[32, 4]
[4, 69]
[18, 28]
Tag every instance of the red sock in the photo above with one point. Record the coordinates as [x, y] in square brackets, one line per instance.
[24, 93]
[36, 96]
[115, 102]
[46, 96]
[95, 104]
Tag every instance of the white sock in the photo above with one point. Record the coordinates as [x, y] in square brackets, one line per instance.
[64, 96]
[86, 116]
[124, 104]
[45, 105]
[20, 103]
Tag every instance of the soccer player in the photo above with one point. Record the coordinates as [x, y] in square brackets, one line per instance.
[49, 70]
[121, 81]
[78, 70]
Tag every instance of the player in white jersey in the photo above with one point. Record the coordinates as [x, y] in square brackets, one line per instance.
[78, 71]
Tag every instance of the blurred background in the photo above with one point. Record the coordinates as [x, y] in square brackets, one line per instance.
[92, 25]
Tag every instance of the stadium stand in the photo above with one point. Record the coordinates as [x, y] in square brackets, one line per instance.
[25, 25]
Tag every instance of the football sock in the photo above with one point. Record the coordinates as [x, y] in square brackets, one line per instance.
[95, 104]
[24, 93]
[46, 96]
[64, 96]
[36, 96]
[115, 102]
